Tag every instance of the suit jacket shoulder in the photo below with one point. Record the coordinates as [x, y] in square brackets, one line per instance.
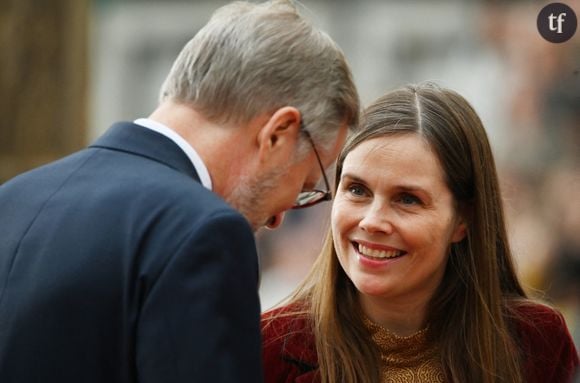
[118, 251]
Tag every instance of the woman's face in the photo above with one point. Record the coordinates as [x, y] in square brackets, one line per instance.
[393, 218]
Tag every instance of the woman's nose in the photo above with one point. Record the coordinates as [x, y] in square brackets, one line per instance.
[376, 219]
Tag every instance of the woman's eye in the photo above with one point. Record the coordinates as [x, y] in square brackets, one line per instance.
[357, 190]
[409, 199]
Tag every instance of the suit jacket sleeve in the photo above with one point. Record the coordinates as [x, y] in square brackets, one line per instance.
[200, 319]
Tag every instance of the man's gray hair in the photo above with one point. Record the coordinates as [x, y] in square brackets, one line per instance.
[251, 59]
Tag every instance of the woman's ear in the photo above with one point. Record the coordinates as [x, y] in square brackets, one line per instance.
[461, 225]
[460, 232]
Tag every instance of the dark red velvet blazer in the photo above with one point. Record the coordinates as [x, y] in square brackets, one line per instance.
[289, 353]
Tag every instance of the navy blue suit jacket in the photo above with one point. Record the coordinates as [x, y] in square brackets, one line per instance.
[117, 265]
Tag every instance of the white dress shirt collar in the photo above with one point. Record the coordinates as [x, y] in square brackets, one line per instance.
[195, 159]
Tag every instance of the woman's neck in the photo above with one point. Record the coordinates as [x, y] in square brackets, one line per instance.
[401, 318]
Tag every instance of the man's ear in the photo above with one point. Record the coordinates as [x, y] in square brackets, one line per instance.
[280, 134]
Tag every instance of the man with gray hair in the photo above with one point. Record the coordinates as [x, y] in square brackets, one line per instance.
[129, 261]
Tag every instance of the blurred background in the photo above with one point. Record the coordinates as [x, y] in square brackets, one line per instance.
[70, 68]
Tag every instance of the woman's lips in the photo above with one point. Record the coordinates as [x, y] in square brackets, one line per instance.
[377, 252]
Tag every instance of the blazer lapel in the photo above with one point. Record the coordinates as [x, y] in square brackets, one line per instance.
[132, 138]
[299, 348]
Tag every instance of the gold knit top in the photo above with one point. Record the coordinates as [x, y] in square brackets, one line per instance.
[408, 359]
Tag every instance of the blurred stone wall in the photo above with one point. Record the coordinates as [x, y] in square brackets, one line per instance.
[43, 81]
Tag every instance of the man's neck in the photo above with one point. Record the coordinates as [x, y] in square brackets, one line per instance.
[222, 148]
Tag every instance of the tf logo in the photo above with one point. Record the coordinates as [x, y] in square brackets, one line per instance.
[557, 22]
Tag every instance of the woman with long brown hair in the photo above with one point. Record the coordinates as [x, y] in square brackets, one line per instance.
[416, 281]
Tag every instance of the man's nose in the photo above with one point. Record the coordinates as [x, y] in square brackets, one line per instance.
[275, 221]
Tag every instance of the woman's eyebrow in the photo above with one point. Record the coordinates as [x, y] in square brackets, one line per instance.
[352, 177]
[411, 188]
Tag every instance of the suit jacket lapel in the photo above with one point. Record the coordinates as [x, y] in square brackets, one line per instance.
[132, 138]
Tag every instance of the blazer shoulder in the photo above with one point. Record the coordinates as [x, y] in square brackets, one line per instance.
[548, 350]
[537, 318]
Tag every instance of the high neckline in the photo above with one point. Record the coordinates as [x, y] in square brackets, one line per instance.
[406, 358]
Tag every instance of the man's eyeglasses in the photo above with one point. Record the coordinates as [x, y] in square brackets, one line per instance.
[312, 197]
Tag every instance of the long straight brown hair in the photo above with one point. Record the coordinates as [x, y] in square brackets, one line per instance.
[470, 315]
